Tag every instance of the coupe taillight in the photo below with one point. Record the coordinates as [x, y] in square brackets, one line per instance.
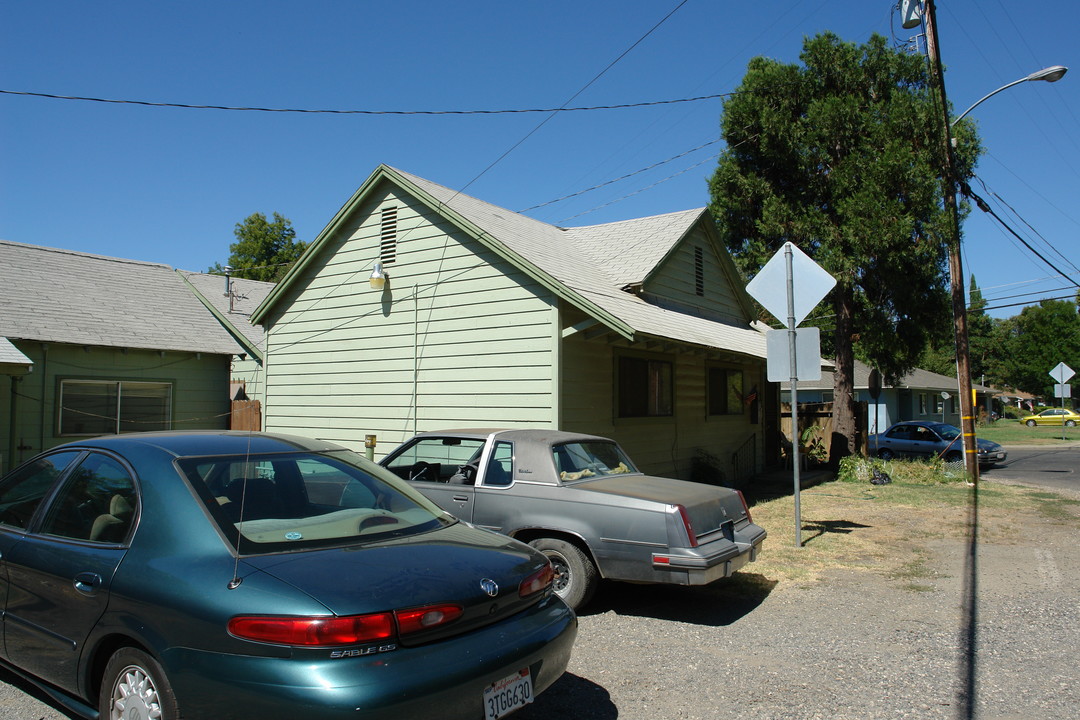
[745, 507]
[686, 523]
[539, 581]
[348, 630]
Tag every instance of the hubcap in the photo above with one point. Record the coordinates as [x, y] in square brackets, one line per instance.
[134, 696]
[562, 573]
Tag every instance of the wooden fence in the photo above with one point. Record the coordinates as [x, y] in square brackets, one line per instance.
[246, 415]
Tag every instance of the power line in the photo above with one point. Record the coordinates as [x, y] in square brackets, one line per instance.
[618, 179]
[1018, 304]
[309, 111]
[966, 189]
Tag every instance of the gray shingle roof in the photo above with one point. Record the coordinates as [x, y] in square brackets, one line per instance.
[917, 379]
[10, 355]
[595, 262]
[246, 296]
[62, 296]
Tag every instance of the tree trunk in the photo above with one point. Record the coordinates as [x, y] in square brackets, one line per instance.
[843, 437]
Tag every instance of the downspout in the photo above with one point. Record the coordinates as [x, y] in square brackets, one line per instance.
[415, 359]
[557, 365]
[11, 426]
[44, 375]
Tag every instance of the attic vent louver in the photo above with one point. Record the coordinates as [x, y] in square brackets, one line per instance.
[388, 235]
[699, 272]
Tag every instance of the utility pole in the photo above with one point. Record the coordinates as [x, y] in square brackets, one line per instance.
[956, 270]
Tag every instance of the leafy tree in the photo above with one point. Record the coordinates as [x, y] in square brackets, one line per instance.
[842, 156]
[1036, 340]
[263, 250]
[984, 343]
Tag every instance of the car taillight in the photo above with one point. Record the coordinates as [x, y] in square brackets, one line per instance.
[314, 631]
[745, 507]
[686, 523]
[425, 618]
[537, 582]
[334, 631]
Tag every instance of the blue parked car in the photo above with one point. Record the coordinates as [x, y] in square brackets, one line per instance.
[922, 439]
[240, 575]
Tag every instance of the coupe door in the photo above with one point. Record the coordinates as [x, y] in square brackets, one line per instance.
[59, 575]
[443, 469]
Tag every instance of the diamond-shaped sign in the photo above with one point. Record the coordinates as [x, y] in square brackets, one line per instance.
[1062, 373]
[809, 284]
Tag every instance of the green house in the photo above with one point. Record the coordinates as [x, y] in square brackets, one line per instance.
[638, 330]
[93, 345]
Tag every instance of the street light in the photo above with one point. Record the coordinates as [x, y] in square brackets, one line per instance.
[1050, 74]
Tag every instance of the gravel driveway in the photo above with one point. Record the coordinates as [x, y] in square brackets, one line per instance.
[854, 645]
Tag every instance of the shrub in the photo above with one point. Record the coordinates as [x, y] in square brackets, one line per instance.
[857, 469]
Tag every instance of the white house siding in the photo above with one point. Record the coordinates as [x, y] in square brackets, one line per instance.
[663, 446]
[675, 281]
[458, 333]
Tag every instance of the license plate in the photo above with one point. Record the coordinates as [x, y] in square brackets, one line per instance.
[507, 695]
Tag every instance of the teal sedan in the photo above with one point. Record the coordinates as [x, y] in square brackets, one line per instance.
[240, 575]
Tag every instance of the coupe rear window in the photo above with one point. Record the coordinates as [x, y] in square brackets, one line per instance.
[581, 460]
[267, 503]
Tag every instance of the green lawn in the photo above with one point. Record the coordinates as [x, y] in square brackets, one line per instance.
[1013, 432]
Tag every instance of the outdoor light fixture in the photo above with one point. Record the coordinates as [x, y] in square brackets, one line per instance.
[1050, 74]
[378, 277]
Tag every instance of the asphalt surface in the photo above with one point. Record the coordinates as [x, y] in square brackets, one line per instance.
[992, 635]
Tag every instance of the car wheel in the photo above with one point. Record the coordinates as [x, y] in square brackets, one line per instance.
[575, 575]
[885, 454]
[1030, 423]
[135, 686]
[1070, 423]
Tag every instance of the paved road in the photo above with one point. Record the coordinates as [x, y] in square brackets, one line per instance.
[1053, 467]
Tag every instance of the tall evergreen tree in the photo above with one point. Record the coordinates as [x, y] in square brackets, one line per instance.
[1037, 339]
[264, 250]
[842, 157]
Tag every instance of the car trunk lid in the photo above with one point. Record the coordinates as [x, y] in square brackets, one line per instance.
[452, 565]
[707, 507]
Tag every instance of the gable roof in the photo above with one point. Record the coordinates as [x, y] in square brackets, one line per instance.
[627, 251]
[235, 312]
[12, 361]
[587, 266]
[62, 296]
[917, 379]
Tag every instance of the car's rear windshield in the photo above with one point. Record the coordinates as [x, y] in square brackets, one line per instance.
[285, 501]
[587, 459]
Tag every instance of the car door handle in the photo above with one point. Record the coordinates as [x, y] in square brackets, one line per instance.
[87, 583]
[460, 498]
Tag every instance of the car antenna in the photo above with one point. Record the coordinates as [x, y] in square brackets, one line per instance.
[236, 579]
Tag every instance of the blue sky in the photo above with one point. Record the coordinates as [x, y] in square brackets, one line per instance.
[169, 184]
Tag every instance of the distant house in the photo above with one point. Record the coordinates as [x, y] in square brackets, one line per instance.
[640, 330]
[95, 345]
[919, 395]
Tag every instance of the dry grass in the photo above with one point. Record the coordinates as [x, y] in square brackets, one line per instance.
[883, 529]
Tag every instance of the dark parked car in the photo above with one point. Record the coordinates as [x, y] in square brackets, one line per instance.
[241, 575]
[580, 500]
[928, 440]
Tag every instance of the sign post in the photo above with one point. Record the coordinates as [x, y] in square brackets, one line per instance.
[775, 287]
[1062, 373]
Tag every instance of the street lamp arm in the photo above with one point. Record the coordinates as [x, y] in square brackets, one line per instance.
[1050, 74]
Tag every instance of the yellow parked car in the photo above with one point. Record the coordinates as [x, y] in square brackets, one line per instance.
[1053, 416]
